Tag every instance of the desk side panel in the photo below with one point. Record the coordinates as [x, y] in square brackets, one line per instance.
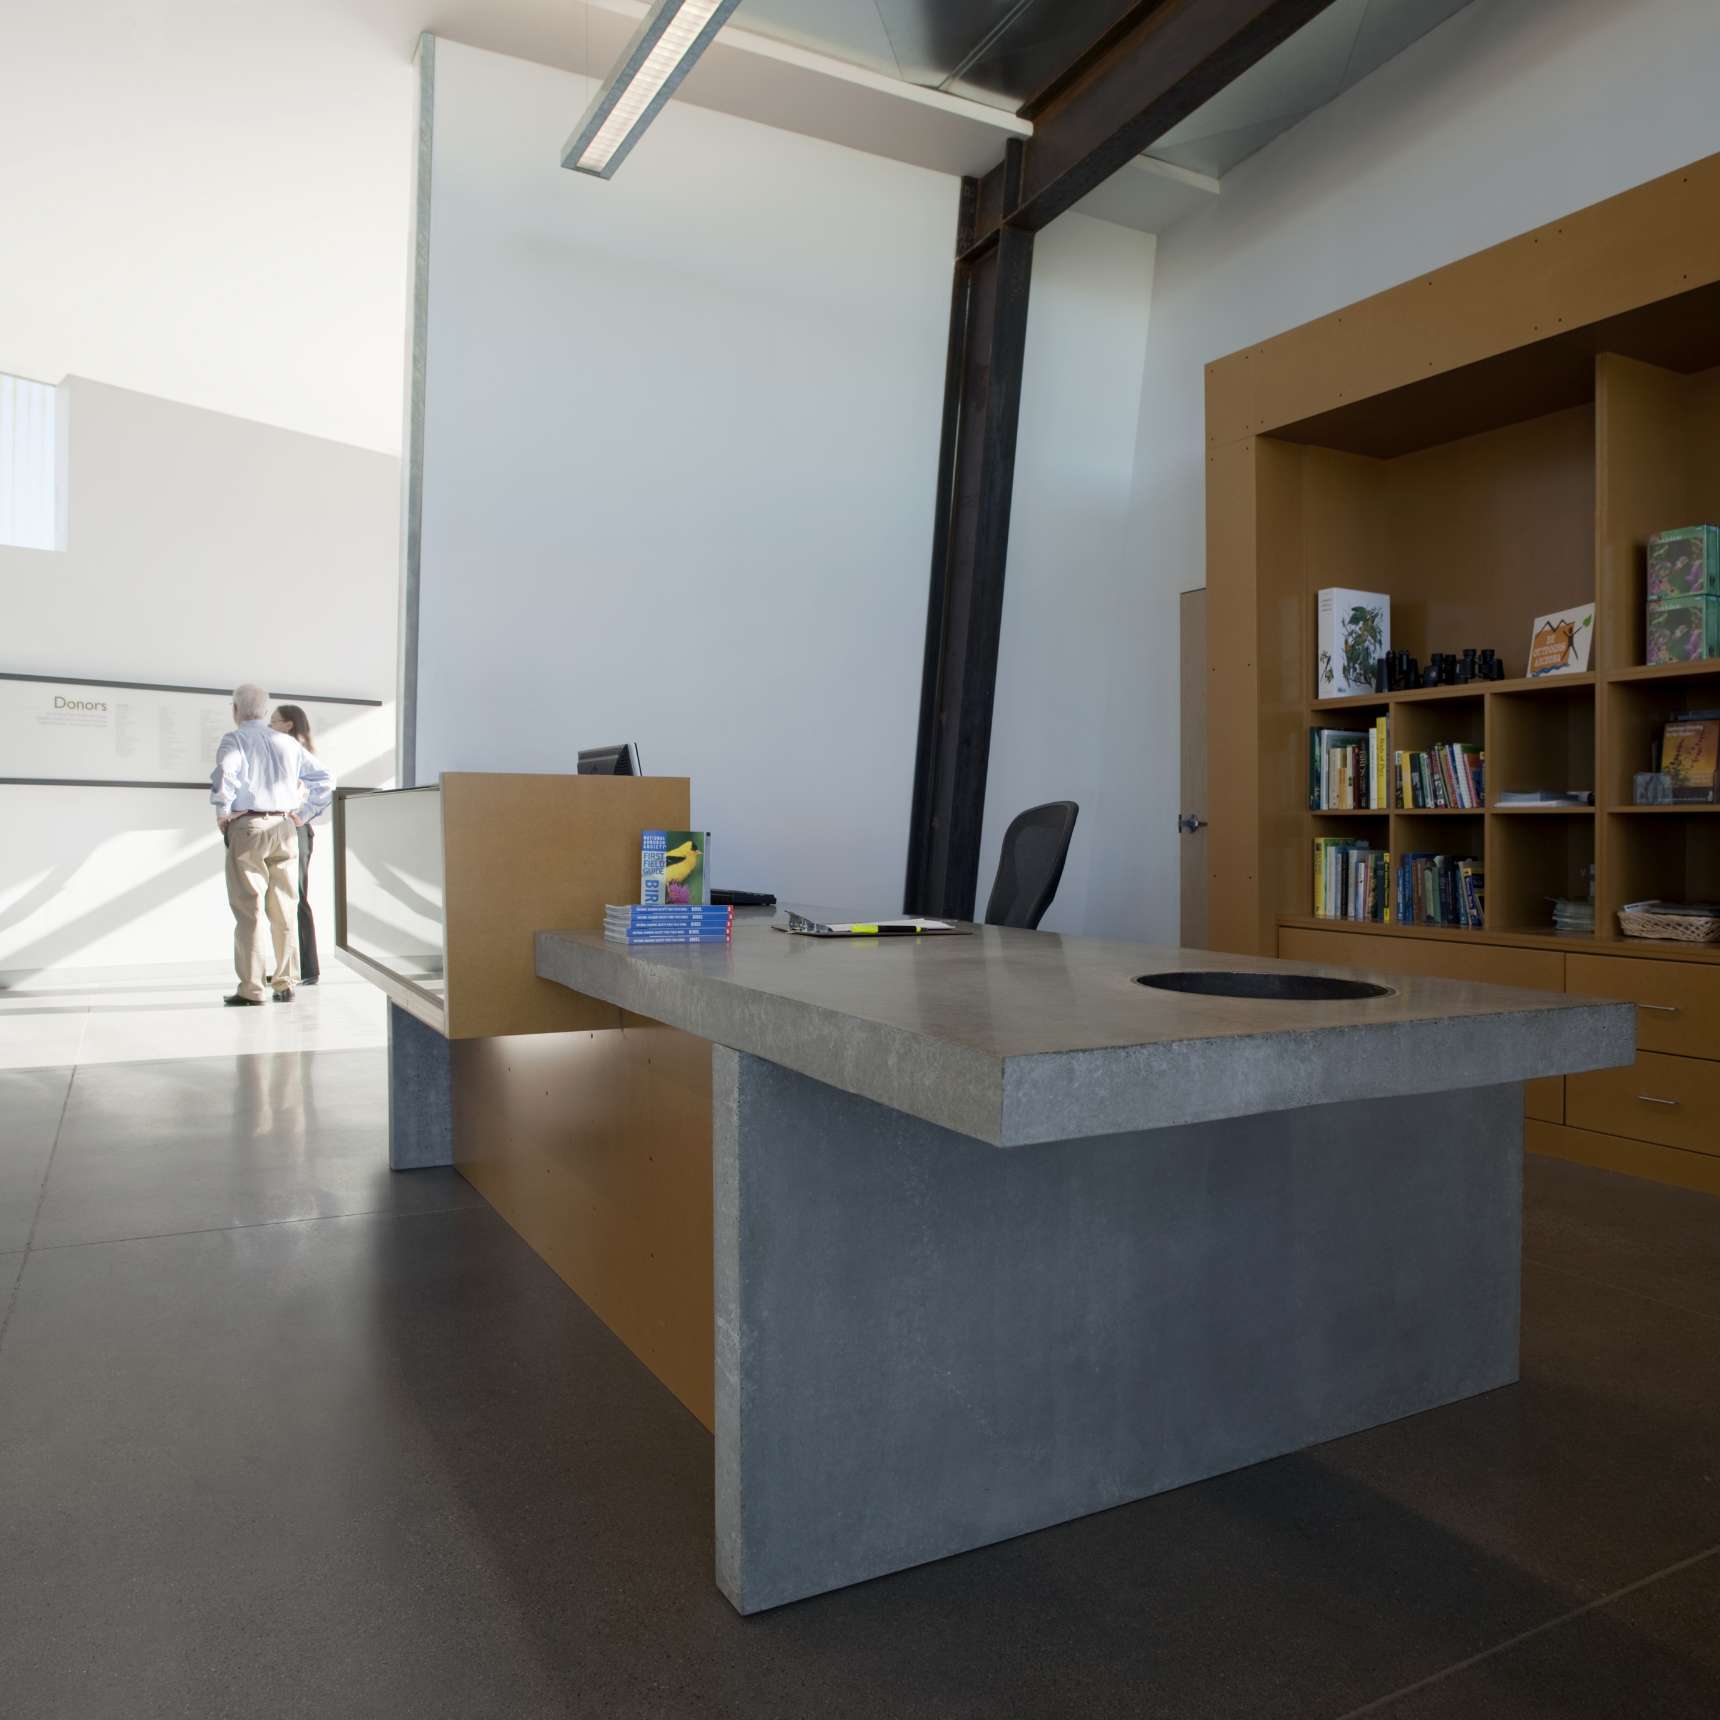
[596, 1148]
[523, 853]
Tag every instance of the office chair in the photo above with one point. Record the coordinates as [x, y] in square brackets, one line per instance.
[1031, 865]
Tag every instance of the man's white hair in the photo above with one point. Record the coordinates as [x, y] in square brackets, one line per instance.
[250, 702]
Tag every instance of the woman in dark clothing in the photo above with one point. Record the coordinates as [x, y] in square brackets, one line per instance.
[291, 720]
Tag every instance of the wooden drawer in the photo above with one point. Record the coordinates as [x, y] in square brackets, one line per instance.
[1678, 1003]
[1672, 1100]
[1429, 958]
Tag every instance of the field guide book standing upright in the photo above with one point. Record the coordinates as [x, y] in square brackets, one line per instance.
[1354, 632]
[672, 868]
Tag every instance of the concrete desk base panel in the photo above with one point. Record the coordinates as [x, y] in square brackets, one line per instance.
[925, 1345]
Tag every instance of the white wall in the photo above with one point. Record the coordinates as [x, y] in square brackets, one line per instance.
[1512, 113]
[1064, 725]
[201, 550]
[681, 453]
[208, 203]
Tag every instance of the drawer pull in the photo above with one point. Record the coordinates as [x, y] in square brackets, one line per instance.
[1662, 1008]
[1649, 1099]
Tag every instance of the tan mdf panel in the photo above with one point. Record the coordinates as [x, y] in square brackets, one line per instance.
[1284, 630]
[1472, 539]
[1483, 965]
[1596, 263]
[596, 1148]
[527, 854]
[1489, 532]
[1642, 486]
[1235, 919]
[1658, 464]
[1193, 675]
[1699, 1171]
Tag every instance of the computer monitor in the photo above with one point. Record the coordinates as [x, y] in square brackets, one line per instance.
[610, 761]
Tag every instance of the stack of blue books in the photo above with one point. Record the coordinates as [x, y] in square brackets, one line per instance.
[631, 923]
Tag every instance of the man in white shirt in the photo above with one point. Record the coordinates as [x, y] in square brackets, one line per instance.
[264, 786]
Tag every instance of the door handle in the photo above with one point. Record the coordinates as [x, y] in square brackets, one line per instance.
[1661, 1008]
[1188, 823]
[1649, 1099]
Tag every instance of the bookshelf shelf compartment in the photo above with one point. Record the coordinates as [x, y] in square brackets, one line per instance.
[1472, 690]
[1652, 672]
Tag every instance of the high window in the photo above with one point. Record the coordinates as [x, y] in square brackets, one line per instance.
[29, 464]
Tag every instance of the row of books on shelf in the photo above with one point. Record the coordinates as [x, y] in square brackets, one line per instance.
[1353, 881]
[1448, 776]
[1347, 769]
[1356, 770]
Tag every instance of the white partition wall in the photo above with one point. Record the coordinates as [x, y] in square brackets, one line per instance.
[680, 454]
[200, 549]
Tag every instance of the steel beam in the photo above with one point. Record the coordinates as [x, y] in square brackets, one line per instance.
[1147, 74]
[964, 615]
[1159, 63]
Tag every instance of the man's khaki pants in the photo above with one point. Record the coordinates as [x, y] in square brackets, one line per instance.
[263, 881]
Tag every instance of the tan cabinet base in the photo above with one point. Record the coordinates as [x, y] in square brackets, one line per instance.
[596, 1148]
[1698, 1171]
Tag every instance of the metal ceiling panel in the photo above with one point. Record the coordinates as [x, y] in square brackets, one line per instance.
[934, 39]
[851, 30]
[1333, 53]
[1040, 40]
[1004, 52]
[1390, 27]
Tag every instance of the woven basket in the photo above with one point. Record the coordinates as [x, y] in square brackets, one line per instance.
[1686, 928]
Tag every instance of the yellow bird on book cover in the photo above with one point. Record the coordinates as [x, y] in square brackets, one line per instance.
[681, 864]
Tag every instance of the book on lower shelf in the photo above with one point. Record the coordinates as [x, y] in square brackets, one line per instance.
[634, 923]
[1347, 769]
[1352, 881]
[1447, 777]
[1440, 890]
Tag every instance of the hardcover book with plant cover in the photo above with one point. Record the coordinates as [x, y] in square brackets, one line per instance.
[1355, 631]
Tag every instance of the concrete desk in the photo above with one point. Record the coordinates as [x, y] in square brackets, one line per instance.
[1003, 1237]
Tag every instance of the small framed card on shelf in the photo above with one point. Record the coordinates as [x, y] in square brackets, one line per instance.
[1561, 642]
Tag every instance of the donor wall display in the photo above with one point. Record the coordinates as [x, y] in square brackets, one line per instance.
[122, 733]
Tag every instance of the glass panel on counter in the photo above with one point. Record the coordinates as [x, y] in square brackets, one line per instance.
[394, 883]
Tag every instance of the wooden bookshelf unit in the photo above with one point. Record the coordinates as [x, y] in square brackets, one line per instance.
[1487, 444]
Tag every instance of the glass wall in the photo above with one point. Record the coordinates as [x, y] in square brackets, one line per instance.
[394, 902]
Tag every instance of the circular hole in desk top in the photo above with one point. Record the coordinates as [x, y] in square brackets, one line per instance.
[1270, 987]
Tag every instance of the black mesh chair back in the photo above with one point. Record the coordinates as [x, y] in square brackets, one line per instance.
[1031, 865]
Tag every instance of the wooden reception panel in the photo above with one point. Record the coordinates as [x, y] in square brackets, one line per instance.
[524, 854]
[596, 1148]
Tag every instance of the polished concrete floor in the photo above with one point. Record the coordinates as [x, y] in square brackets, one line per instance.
[283, 1435]
[80, 1017]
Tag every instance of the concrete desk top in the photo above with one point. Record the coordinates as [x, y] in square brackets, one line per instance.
[1024, 1037]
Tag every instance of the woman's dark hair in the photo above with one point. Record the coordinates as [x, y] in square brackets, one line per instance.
[295, 715]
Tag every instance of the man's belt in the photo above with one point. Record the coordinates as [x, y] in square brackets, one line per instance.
[260, 812]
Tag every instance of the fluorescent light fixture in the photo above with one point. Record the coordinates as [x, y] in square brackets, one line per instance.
[663, 50]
